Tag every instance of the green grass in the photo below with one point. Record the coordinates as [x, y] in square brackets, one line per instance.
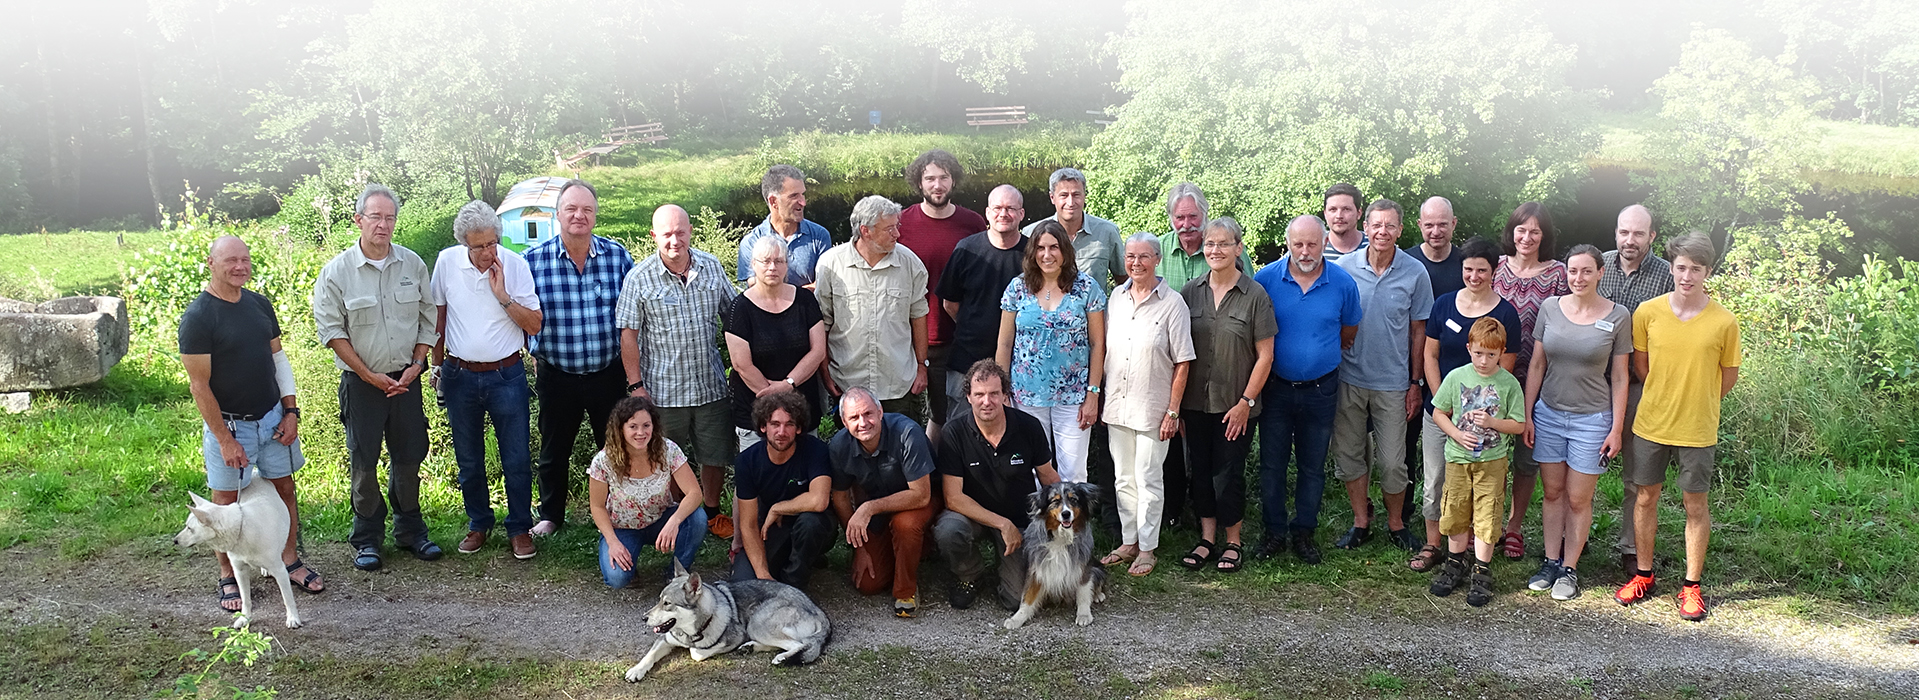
[1845, 153]
[38, 266]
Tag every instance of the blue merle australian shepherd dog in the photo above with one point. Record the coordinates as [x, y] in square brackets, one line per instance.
[1058, 546]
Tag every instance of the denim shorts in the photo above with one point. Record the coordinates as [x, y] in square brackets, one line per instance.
[1573, 438]
[264, 453]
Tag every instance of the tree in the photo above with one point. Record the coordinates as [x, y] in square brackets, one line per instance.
[1266, 104]
[1732, 126]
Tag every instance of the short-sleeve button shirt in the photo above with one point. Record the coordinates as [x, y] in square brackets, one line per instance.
[1391, 299]
[679, 323]
[577, 306]
[1653, 278]
[998, 477]
[802, 253]
[1096, 249]
[904, 456]
[478, 329]
[868, 309]
[384, 310]
[1224, 338]
[1144, 341]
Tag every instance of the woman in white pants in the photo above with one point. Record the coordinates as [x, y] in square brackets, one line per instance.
[1149, 348]
[1052, 338]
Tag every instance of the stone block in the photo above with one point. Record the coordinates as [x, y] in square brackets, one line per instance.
[61, 343]
[16, 402]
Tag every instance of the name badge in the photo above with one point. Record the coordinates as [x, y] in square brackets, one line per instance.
[1453, 326]
[1604, 325]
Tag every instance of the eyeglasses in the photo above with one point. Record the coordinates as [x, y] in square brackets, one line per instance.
[1219, 245]
[378, 219]
[1141, 257]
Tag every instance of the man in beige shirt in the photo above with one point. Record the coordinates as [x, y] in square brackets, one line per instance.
[373, 307]
[872, 296]
[1149, 348]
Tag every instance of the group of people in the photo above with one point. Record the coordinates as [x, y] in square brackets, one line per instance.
[997, 357]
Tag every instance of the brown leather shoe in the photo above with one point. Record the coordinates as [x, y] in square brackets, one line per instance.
[523, 547]
[473, 542]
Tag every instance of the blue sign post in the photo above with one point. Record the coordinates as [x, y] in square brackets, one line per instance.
[873, 118]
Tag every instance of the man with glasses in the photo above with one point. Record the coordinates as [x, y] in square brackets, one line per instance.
[972, 284]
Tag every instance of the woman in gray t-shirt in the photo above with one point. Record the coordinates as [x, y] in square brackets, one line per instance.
[1575, 409]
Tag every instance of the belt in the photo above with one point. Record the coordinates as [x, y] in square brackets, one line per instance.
[1310, 383]
[510, 361]
[242, 417]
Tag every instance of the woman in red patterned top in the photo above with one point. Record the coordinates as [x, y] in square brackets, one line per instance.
[1527, 276]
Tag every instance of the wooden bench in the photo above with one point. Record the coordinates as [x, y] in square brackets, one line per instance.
[995, 116]
[612, 141]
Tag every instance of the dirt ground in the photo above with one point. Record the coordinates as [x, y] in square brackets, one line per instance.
[495, 607]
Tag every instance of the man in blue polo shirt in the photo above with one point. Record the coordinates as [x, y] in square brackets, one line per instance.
[784, 188]
[1317, 306]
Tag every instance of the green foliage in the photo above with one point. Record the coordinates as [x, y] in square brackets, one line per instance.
[426, 227]
[1266, 104]
[1733, 127]
[243, 646]
[1863, 53]
[710, 233]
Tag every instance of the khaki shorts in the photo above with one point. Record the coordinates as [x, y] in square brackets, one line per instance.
[705, 432]
[1387, 409]
[1476, 498]
[1650, 459]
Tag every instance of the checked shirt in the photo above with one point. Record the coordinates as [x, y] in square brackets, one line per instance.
[1630, 290]
[577, 334]
[679, 324]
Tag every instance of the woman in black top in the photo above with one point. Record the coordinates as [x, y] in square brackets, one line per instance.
[776, 339]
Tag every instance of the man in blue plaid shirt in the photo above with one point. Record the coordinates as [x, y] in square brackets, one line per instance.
[577, 276]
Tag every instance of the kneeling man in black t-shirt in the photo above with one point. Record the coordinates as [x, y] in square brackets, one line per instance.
[781, 484]
[990, 462]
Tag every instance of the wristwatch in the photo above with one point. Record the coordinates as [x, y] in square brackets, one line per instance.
[788, 380]
[926, 363]
[1092, 388]
[422, 363]
[634, 385]
[1249, 401]
[1420, 382]
[1172, 414]
[291, 411]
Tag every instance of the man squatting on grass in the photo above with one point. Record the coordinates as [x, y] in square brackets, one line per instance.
[1686, 350]
[242, 385]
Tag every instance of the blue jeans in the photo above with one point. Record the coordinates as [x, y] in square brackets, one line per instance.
[471, 397]
[1296, 427]
[686, 544]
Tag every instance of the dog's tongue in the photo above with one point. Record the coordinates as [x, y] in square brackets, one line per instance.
[663, 628]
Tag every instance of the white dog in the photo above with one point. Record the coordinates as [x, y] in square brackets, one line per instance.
[252, 532]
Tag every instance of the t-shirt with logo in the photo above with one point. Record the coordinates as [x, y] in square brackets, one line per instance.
[1466, 390]
[755, 476]
[903, 456]
[1001, 478]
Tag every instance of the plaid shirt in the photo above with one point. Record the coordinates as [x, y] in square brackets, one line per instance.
[1630, 290]
[577, 334]
[679, 324]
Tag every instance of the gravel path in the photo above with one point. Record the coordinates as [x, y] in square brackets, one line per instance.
[499, 609]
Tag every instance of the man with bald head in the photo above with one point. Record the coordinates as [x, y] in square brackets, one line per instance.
[242, 385]
[972, 283]
[577, 277]
[1631, 276]
[1441, 258]
[1318, 309]
[669, 317]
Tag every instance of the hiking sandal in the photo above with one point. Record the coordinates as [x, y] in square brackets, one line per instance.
[1229, 566]
[1194, 560]
[304, 583]
[1427, 558]
[225, 583]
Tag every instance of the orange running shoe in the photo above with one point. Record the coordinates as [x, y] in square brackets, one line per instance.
[720, 526]
[1692, 603]
[1635, 590]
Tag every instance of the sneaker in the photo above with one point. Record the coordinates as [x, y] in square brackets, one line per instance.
[1567, 587]
[1637, 589]
[1305, 548]
[721, 526]
[1692, 604]
[1451, 574]
[961, 595]
[1482, 592]
[1543, 579]
[906, 608]
[472, 542]
[523, 547]
[1269, 547]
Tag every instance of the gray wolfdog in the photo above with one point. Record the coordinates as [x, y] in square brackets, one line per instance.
[1058, 546]
[709, 619]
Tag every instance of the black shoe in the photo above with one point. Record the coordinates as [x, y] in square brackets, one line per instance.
[426, 550]
[1354, 538]
[1482, 592]
[961, 595]
[1269, 547]
[1305, 548]
[1403, 537]
[1451, 574]
[367, 558]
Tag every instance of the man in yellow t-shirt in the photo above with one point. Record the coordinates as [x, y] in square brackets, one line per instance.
[1686, 350]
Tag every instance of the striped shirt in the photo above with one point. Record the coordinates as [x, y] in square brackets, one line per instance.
[679, 324]
[1630, 289]
[577, 334]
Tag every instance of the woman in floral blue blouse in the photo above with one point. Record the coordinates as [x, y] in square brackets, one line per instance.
[1052, 338]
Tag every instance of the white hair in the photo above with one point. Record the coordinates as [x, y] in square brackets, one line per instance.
[475, 216]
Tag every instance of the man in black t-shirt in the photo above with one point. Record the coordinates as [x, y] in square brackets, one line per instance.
[974, 280]
[883, 491]
[781, 484]
[242, 385]
[990, 462]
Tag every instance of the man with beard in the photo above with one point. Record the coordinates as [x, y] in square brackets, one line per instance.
[1318, 309]
[782, 483]
[1632, 275]
[932, 229]
[1096, 245]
